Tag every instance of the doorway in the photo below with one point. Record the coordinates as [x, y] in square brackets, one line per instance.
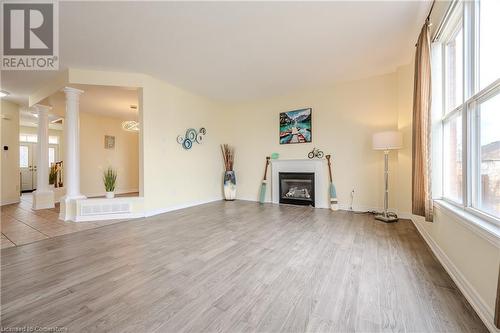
[28, 163]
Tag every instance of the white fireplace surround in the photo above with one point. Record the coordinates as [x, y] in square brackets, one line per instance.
[310, 165]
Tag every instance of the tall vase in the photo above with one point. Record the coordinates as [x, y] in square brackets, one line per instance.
[229, 185]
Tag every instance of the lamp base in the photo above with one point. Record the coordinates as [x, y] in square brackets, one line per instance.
[386, 218]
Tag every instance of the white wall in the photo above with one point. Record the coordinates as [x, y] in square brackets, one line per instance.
[344, 117]
[10, 158]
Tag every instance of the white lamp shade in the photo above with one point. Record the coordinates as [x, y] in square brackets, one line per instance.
[387, 140]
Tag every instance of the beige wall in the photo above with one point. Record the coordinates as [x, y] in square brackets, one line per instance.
[94, 158]
[10, 158]
[171, 176]
[344, 118]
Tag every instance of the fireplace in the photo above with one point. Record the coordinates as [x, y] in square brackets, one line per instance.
[296, 188]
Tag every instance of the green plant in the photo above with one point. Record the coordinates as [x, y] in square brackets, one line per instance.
[52, 174]
[109, 178]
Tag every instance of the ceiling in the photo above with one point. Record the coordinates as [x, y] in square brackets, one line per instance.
[105, 101]
[234, 51]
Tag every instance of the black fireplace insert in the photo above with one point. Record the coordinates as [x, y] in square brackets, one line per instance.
[297, 188]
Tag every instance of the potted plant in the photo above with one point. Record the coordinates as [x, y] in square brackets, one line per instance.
[52, 175]
[109, 178]
[229, 176]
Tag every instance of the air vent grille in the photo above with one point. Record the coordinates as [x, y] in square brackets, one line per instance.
[104, 208]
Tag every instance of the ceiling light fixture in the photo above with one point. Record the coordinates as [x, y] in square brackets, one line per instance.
[4, 93]
[131, 126]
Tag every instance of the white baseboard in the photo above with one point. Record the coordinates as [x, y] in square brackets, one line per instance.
[180, 206]
[474, 299]
[10, 201]
[127, 216]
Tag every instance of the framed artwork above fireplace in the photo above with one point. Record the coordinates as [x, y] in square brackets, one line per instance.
[296, 126]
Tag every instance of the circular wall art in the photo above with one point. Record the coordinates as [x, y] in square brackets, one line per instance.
[199, 137]
[191, 137]
[187, 144]
[191, 134]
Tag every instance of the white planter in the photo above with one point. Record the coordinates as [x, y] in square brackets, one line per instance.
[110, 195]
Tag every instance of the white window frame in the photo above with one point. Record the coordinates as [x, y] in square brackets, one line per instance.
[472, 98]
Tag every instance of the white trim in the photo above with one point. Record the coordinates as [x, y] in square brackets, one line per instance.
[10, 201]
[80, 218]
[102, 194]
[480, 227]
[474, 299]
[180, 206]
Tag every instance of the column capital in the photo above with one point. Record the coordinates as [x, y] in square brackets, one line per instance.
[42, 108]
[72, 92]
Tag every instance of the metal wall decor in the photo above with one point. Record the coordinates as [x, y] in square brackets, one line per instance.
[316, 153]
[191, 136]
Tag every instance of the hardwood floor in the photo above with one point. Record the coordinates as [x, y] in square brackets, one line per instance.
[234, 267]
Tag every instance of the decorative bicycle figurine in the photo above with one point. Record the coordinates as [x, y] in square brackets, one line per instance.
[315, 153]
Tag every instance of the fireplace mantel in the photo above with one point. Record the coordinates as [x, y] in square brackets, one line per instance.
[306, 165]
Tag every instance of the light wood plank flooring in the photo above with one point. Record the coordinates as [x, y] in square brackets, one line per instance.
[235, 267]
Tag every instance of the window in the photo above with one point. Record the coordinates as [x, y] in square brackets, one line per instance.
[52, 156]
[28, 138]
[469, 73]
[23, 156]
[452, 162]
[489, 46]
[53, 139]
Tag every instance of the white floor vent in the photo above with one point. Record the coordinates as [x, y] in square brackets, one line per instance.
[104, 208]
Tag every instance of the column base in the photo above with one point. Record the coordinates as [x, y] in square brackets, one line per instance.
[43, 199]
[67, 208]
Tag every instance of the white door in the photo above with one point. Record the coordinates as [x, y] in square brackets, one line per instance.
[27, 164]
[53, 154]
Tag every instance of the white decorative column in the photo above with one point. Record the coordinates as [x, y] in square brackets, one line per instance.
[71, 166]
[43, 197]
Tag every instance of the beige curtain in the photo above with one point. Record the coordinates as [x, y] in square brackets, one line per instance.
[421, 179]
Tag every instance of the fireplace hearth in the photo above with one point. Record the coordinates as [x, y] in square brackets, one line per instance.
[296, 188]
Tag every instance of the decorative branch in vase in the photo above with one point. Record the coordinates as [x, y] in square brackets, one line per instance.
[229, 176]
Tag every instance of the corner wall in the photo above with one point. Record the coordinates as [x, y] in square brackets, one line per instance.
[171, 177]
[344, 118]
[10, 158]
[471, 259]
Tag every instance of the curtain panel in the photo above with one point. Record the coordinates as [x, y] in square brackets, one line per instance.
[421, 146]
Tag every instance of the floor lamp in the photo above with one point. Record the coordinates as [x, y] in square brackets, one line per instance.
[387, 141]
